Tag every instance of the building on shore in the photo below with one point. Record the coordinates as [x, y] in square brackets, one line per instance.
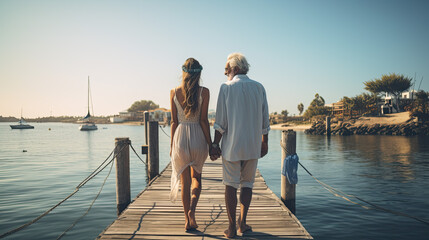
[160, 115]
[389, 103]
[125, 116]
[117, 119]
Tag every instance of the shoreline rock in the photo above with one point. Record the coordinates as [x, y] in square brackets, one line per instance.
[408, 128]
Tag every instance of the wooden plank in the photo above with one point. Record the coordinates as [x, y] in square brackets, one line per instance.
[152, 216]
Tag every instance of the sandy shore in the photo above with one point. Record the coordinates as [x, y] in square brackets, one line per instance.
[388, 119]
[286, 126]
[131, 123]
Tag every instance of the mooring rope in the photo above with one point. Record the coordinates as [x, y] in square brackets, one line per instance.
[137, 154]
[90, 206]
[164, 132]
[80, 185]
[87, 178]
[339, 193]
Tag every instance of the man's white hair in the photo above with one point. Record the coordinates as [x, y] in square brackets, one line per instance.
[238, 60]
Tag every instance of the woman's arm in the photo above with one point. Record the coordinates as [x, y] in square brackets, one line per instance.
[174, 121]
[204, 122]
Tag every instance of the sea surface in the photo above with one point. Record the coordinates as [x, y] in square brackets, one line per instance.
[40, 167]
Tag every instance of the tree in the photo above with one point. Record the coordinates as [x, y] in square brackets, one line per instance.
[393, 84]
[300, 108]
[318, 101]
[317, 107]
[284, 114]
[362, 104]
[421, 106]
[143, 105]
[348, 104]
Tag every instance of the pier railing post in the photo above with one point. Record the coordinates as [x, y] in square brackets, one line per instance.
[153, 163]
[123, 193]
[146, 129]
[328, 126]
[288, 143]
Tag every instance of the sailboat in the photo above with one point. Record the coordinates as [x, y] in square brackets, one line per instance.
[87, 125]
[22, 124]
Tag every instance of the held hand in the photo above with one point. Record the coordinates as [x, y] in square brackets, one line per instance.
[264, 149]
[215, 153]
[212, 154]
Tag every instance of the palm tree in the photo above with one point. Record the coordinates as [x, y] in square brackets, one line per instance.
[300, 108]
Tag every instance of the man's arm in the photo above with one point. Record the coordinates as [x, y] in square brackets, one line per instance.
[220, 125]
[265, 125]
[218, 137]
[264, 146]
[216, 152]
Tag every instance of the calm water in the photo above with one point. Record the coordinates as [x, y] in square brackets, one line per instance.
[390, 171]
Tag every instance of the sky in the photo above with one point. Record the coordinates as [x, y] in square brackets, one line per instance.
[134, 50]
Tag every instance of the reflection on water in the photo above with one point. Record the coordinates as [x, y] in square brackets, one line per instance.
[89, 148]
[394, 154]
[391, 171]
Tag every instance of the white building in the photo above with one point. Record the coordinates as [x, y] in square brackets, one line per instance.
[116, 119]
[160, 115]
[390, 101]
[123, 116]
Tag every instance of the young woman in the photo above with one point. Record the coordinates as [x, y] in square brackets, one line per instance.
[190, 138]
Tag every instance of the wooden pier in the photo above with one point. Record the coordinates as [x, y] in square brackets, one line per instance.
[152, 216]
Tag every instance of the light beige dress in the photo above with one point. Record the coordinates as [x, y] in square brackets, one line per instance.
[189, 145]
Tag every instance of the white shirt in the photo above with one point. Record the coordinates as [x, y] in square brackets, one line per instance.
[242, 118]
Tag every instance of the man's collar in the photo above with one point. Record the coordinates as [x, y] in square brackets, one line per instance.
[239, 77]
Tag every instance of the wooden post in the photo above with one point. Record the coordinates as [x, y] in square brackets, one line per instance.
[123, 193]
[288, 143]
[146, 120]
[153, 163]
[328, 126]
[146, 129]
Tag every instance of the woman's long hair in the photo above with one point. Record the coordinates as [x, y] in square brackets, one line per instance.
[191, 85]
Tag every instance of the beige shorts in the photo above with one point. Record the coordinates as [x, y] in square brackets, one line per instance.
[239, 173]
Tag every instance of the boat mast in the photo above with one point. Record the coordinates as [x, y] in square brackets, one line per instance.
[88, 96]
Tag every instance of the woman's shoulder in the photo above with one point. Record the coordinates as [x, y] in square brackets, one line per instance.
[204, 89]
[173, 91]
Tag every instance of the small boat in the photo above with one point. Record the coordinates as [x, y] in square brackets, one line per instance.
[22, 124]
[87, 124]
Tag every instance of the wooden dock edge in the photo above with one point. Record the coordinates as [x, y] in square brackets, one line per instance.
[285, 208]
[275, 197]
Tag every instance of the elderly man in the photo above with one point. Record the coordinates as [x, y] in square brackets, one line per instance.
[242, 122]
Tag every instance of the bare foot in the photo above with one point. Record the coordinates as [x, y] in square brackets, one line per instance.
[242, 227]
[187, 225]
[230, 233]
[192, 221]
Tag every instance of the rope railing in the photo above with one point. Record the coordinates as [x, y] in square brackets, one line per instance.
[164, 132]
[138, 155]
[99, 169]
[340, 194]
[90, 206]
